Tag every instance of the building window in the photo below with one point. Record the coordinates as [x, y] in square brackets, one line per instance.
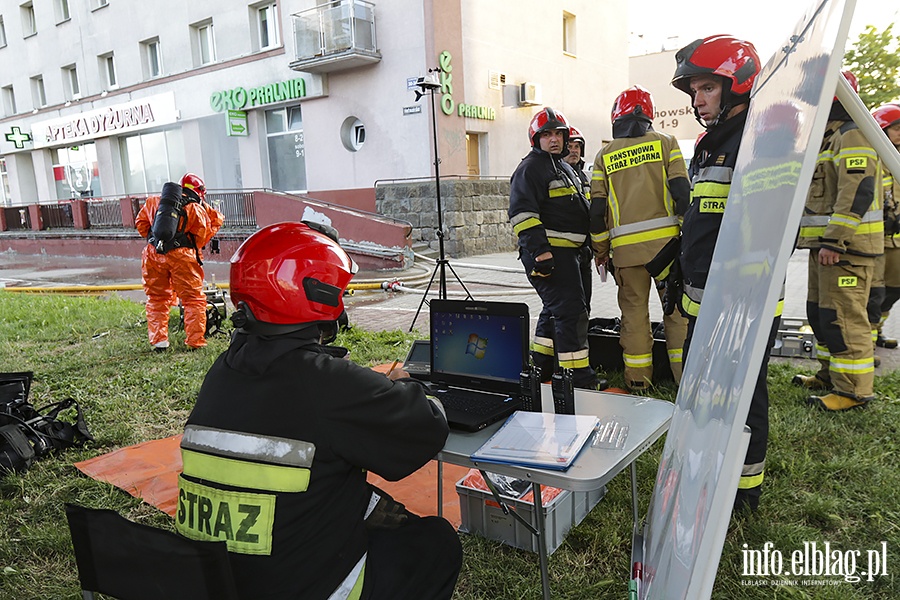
[287, 151]
[267, 21]
[75, 172]
[29, 24]
[95, 4]
[569, 33]
[2, 33]
[38, 95]
[203, 43]
[5, 199]
[62, 11]
[70, 81]
[108, 70]
[151, 58]
[9, 101]
[151, 159]
[353, 134]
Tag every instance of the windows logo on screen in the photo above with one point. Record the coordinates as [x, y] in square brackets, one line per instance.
[476, 346]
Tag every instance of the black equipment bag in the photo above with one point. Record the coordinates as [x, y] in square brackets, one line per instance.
[27, 433]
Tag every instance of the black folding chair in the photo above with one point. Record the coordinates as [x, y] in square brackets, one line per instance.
[130, 561]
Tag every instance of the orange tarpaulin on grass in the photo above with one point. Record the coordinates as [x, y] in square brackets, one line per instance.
[149, 471]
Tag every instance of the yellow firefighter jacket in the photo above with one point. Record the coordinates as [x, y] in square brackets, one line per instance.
[630, 191]
[843, 208]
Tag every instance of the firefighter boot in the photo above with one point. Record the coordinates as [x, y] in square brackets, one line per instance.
[883, 342]
[835, 402]
[811, 382]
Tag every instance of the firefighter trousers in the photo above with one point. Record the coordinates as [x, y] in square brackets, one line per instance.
[877, 295]
[175, 272]
[421, 559]
[635, 337]
[891, 281]
[562, 325]
[753, 471]
[836, 307]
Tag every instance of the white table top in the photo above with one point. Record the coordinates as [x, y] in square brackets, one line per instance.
[647, 419]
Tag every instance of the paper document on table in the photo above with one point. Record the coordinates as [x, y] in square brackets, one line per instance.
[543, 440]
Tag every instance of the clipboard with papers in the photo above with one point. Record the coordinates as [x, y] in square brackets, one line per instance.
[541, 440]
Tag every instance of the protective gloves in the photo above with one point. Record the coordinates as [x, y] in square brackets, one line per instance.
[543, 268]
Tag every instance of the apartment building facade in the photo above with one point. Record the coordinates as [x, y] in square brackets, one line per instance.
[101, 98]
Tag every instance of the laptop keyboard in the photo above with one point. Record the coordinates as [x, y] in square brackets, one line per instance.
[466, 402]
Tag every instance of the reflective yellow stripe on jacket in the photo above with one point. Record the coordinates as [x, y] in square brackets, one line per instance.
[644, 231]
[253, 468]
[814, 226]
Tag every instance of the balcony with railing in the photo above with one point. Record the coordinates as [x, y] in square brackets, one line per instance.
[335, 36]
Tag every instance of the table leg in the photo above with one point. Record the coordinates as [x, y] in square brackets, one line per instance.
[634, 494]
[440, 490]
[542, 539]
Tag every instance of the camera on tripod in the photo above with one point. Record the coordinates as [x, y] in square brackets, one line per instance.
[429, 82]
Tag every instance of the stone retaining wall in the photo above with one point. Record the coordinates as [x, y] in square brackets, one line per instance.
[474, 214]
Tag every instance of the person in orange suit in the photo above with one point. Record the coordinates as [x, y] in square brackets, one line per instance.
[173, 268]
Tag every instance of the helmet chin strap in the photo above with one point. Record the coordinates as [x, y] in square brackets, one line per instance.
[722, 116]
[245, 321]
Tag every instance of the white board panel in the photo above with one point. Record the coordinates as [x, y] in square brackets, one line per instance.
[703, 454]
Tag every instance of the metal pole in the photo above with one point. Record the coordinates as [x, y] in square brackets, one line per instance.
[442, 281]
[866, 122]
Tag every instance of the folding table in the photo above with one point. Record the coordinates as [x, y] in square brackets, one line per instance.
[647, 419]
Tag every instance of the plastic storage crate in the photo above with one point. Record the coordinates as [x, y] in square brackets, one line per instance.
[481, 514]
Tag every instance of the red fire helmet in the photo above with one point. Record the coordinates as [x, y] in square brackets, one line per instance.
[546, 120]
[288, 273]
[887, 115]
[194, 183]
[852, 80]
[636, 101]
[723, 55]
[575, 136]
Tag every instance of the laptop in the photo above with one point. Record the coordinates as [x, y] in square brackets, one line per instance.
[418, 361]
[478, 350]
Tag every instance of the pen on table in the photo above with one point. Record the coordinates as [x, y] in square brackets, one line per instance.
[391, 370]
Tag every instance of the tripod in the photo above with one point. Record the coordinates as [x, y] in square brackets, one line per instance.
[431, 84]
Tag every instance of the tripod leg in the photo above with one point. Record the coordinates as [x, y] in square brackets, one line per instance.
[465, 289]
[424, 297]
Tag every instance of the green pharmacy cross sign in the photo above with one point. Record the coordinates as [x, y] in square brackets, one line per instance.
[17, 137]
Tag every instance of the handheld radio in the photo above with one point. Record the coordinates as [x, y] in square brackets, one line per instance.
[530, 388]
[561, 382]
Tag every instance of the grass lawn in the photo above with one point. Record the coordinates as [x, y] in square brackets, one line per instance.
[830, 477]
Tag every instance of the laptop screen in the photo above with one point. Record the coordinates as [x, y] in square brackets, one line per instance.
[479, 345]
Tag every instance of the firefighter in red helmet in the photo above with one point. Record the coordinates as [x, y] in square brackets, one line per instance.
[718, 72]
[283, 433]
[888, 118]
[843, 228]
[639, 193]
[177, 225]
[548, 210]
[575, 158]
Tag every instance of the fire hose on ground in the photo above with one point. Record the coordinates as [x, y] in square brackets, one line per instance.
[405, 284]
